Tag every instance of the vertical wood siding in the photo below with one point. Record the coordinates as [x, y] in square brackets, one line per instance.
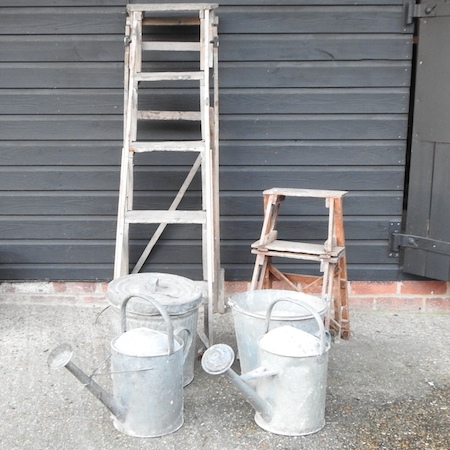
[313, 94]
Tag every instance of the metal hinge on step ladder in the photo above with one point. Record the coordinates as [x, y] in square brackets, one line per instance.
[146, 23]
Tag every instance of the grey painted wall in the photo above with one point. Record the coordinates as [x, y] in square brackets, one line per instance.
[312, 94]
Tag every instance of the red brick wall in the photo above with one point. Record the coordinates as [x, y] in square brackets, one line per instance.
[402, 295]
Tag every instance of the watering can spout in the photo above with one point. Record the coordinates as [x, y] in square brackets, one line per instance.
[218, 359]
[61, 357]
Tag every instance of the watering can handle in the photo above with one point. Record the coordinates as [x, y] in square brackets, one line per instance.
[307, 307]
[158, 306]
[188, 342]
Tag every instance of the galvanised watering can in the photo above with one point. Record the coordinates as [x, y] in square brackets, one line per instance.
[147, 374]
[290, 381]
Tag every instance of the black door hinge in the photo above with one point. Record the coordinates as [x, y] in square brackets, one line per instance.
[411, 10]
[399, 240]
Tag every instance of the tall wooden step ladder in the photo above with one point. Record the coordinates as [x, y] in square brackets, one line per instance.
[180, 35]
[332, 285]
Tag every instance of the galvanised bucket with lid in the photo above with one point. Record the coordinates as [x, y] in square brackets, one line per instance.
[179, 296]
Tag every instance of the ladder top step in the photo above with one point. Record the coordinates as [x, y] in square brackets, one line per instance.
[291, 192]
[168, 7]
[167, 146]
[169, 76]
[165, 216]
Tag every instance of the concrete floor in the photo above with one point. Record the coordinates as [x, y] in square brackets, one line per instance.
[388, 387]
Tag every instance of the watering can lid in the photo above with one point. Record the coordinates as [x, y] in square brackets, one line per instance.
[143, 342]
[291, 342]
[177, 294]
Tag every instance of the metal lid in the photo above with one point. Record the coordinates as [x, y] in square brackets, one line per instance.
[290, 342]
[177, 294]
[143, 342]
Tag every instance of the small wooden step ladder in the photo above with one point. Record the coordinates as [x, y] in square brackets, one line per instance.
[145, 25]
[330, 255]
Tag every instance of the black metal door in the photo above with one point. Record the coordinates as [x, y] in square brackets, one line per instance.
[427, 230]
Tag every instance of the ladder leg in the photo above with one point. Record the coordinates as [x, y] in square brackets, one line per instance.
[121, 262]
[342, 269]
[259, 272]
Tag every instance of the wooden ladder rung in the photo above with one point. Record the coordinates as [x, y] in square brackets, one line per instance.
[169, 115]
[298, 247]
[169, 76]
[170, 21]
[167, 146]
[171, 46]
[165, 216]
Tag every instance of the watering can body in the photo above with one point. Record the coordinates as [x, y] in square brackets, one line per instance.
[149, 386]
[296, 393]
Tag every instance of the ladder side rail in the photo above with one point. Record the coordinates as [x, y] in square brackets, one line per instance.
[126, 72]
[121, 261]
[208, 230]
[342, 267]
[219, 303]
[271, 207]
[210, 264]
[331, 240]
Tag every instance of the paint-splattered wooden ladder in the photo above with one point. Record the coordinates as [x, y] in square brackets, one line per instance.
[143, 74]
[332, 285]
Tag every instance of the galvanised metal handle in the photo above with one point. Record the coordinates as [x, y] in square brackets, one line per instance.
[159, 307]
[308, 308]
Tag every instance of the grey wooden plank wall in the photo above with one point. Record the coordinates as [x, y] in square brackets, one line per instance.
[313, 94]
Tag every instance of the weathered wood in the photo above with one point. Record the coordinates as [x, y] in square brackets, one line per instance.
[235, 153]
[175, 216]
[170, 21]
[315, 47]
[170, 178]
[332, 127]
[69, 21]
[251, 75]
[22, 3]
[254, 101]
[101, 251]
[315, 19]
[164, 46]
[313, 95]
[312, 193]
[168, 8]
[170, 146]
[92, 223]
[169, 76]
[168, 115]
